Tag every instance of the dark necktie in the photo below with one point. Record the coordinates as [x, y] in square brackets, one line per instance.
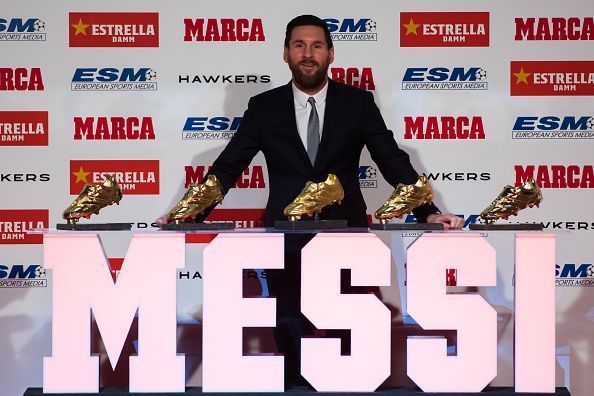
[313, 131]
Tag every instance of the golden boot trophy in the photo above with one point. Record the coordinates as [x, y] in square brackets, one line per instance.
[404, 199]
[197, 199]
[312, 199]
[511, 200]
[91, 200]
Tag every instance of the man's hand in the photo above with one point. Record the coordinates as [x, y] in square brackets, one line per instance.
[161, 221]
[449, 221]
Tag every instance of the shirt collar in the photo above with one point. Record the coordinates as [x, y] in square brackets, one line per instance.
[301, 97]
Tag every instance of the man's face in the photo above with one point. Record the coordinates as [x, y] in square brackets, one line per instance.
[308, 57]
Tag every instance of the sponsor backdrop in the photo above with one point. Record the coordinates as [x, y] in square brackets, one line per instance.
[480, 94]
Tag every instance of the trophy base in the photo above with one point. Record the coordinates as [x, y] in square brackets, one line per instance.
[198, 226]
[95, 227]
[406, 226]
[310, 225]
[507, 227]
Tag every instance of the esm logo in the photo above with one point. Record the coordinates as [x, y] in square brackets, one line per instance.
[19, 275]
[554, 127]
[367, 176]
[571, 274]
[114, 79]
[18, 29]
[349, 29]
[358, 78]
[443, 78]
[210, 128]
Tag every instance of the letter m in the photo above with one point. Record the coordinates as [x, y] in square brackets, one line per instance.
[524, 28]
[569, 270]
[523, 174]
[349, 25]
[83, 127]
[83, 284]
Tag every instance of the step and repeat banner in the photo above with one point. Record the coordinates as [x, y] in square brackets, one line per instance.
[480, 94]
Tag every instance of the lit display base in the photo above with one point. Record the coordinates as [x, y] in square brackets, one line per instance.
[198, 226]
[310, 225]
[95, 227]
[407, 226]
[304, 390]
[507, 227]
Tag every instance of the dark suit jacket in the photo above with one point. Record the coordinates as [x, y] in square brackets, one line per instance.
[351, 120]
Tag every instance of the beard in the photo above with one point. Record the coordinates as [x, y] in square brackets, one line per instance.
[309, 81]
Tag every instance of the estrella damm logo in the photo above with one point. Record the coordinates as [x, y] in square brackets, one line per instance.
[23, 128]
[351, 29]
[444, 78]
[20, 29]
[551, 78]
[113, 29]
[114, 79]
[444, 29]
[15, 224]
[210, 128]
[140, 177]
[554, 127]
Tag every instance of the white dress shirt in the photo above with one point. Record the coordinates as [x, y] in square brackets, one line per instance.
[303, 109]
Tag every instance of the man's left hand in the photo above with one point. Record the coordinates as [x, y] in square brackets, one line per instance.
[449, 221]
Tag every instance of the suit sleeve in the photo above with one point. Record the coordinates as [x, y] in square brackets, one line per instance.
[240, 150]
[393, 162]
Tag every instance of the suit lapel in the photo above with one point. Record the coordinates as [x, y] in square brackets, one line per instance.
[292, 127]
[329, 119]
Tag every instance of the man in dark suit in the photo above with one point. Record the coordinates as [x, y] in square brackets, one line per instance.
[279, 123]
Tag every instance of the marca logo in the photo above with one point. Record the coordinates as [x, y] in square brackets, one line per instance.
[555, 28]
[571, 274]
[443, 78]
[243, 218]
[444, 29]
[349, 29]
[367, 176]
[134, 176]
[358, 78]
[458, 176]
[114, 79]
[21, 79]
[468, 219]
[114, 128]
[223, 79]
[556, 176]
[19, 275]
[554, 127]
[14, 224]
[252, 177]
[210, 128]
[18, 29]
[224, 29]
[23, 128]
[550, 78]
[444, 128]
[114, 29]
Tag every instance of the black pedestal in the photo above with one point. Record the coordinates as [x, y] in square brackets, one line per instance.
[95, 227]
[507, 227]
[198, 226]
[407, 226]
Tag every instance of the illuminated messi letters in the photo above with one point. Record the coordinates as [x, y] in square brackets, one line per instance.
[146, 284]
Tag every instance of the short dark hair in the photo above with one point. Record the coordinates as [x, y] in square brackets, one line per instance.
[307, 20]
